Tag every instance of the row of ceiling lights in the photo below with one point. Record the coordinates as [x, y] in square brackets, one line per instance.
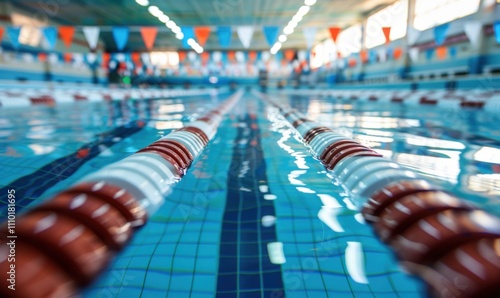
[162, 17]
[294, 22]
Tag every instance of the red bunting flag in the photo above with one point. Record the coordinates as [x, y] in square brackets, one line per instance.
[441, 52]
[398, 52]
[68, 57]
[387, 34]
[42, 57]
[149, 36]
[289, 55]
[364, 56]
[334, 32]
[182, 56]
[136, 58]
[231, 55]
[66, 34]
[1, 32]
[202, 34]
[352, 62]
[252, 55]
[105, 60]
[205, 56]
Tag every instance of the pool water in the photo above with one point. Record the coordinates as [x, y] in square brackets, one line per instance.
[256, 215]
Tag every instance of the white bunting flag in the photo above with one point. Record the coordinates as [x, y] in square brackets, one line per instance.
[245, 34]
[414, 52]
[412, 36]
[310, 35]
[382, 55]
[145, 58]
[473, 31]
[91, 58]
[92, 36]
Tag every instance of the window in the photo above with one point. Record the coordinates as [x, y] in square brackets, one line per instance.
[30, 29]
[429, 14]
[349, 40]
[394, 16]
[165, 60]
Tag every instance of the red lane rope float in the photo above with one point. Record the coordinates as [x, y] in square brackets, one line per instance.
[66, 241]
[450, 244]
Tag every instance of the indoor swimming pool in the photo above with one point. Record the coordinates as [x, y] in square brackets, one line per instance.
[256, 215]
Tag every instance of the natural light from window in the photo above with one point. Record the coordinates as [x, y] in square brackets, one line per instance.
[394, 16]
[349, 40]
[429, 13]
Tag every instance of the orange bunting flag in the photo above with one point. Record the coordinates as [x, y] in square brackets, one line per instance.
[105, 60]
[231, 55]
[364, 56]
[289, 55]
[352, 62]
[334, 32]
[202, 34]
[252, 55]
[149, 36]
[398, 52]
[441, 52]
[387, 34]
[1, 32]
[136, 57]
[182, 56]
[42, 57]
[66, 34]
[68, 57]
[205, 56]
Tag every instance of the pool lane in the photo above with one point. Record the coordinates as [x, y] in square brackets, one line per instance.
[41, 148]
[457, 149]
[245, 266]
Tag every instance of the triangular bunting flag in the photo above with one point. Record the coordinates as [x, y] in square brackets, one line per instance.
[13, 33]
[182, 56]
[42, 57]
[397, 53]
[271, 34]
[50, 34]
[429, 53]
[413, 53]
[92, 36]
[496, 28]
[382, 54]
[120, 35]
[289, 55]
[68, 57]
[363, 55]
[387, 34]
[145, 58]
[252, 55]
[188, 32]
[91, 58]
[224, 33]
[412, 36]
[149, 36]
[473, 31]
[231, 55]
[1, 33]
[66, 34]
[440, 33]
[310, 35]
[202, 34]
[245, 34]
[334, 32]
[452, 51]
[441, 52]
